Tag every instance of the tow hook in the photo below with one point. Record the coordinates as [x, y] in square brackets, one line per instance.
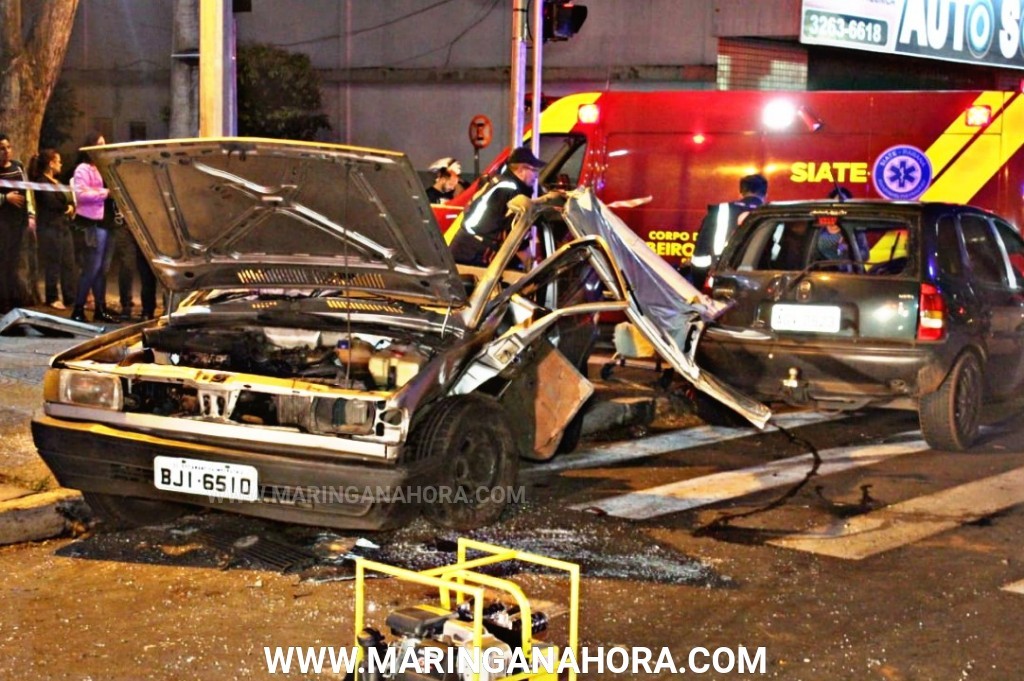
[794, 387]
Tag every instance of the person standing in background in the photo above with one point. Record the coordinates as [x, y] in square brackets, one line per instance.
[121, 257]
[443, 188]
[454, 169]
[91, 196]
[54, 211]
[15, 210]
[721, 222]
[147, 284]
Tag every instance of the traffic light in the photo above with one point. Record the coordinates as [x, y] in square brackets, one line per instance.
[562, 19]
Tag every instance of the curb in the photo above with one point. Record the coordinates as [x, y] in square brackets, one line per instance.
[36, 516]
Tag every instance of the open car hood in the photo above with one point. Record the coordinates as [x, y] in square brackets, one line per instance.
[257, 213]
[665, 307]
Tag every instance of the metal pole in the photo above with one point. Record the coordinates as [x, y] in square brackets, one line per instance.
[517, 97]
[215, 60]
[537, 21]
[231, 75]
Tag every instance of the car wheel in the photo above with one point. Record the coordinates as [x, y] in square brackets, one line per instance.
[473, 438]
[118, 512]
[950, 416]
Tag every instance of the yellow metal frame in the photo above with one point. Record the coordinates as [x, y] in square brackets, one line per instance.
[460, 577]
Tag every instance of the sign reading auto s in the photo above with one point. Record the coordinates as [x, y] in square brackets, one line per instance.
[971, 31]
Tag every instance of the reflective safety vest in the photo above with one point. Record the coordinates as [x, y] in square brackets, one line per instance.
[718, 225]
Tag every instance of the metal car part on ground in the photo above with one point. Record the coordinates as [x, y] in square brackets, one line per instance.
[329, 364]
[869, 303]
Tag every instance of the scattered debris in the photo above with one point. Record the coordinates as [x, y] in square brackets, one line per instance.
[22, 322]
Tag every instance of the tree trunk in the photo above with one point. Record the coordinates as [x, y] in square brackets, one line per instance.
[31, 55]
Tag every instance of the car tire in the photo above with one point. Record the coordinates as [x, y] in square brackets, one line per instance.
[120, 513]
[950, 416]
[472, 438]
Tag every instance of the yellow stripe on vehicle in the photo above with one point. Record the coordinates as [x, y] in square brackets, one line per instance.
[453, 229]
[562, 115]
[972, 170]
[958, 134]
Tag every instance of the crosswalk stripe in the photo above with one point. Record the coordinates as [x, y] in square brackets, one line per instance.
[711, 489]
[1015, 587]
[686, 438]
[908, 521]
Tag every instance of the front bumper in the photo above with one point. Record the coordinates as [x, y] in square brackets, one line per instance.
[820, 372]
[294, 487]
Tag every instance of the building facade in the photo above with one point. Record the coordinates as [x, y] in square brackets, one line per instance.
[411, 74]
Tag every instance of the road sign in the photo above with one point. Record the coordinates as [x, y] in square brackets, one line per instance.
[480, 131]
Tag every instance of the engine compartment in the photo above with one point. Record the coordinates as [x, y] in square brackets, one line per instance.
[262, 375]
[344, 359]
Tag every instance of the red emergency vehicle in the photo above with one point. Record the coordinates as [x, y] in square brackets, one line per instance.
[686, 150]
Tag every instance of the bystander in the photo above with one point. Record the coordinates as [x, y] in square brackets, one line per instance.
[15, 211]
[54, 211]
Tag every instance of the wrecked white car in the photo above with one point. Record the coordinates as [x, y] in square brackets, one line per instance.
[329, 363]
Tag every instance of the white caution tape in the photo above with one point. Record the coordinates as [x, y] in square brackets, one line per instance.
[631, 203]
[37, 186]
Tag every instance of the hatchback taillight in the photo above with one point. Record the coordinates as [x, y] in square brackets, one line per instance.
[931, 322]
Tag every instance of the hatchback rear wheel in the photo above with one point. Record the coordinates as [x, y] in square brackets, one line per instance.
[951, 415]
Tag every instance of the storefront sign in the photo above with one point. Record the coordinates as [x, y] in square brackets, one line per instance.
[987, 32]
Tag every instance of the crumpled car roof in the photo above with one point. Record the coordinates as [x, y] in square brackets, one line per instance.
[665, 307]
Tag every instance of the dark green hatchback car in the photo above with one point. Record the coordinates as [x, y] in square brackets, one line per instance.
[871, 303]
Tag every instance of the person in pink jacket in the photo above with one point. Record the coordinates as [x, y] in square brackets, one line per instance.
[90, 197]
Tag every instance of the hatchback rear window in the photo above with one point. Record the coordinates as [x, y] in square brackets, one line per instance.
[827, 243]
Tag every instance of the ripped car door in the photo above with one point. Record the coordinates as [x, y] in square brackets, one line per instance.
[544, 329]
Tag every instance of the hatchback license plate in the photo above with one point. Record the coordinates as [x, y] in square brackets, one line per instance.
[813, 318]
[205, 478]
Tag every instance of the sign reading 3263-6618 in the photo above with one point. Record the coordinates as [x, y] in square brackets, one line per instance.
[833, 27]
[971, 31]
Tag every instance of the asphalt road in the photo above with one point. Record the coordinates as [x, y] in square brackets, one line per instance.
[845, 548]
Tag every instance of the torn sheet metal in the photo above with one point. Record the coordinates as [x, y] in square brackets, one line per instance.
[21, 321]
[665, 307]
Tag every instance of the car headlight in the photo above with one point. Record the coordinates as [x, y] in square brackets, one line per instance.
[343, 416]
[90, 389]
[327, 415]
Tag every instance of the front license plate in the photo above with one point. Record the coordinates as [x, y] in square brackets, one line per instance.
[205, 478]
[813, 318]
